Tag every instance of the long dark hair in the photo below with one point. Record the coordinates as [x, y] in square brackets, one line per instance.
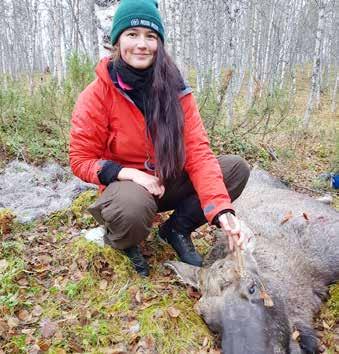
[165, 124]
[167, 119]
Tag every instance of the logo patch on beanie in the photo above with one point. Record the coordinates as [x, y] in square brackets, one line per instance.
[138, 22]
[135, 22]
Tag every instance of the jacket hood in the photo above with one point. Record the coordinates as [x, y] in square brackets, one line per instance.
[102, 72]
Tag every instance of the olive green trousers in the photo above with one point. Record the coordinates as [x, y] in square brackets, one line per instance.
[128, 209]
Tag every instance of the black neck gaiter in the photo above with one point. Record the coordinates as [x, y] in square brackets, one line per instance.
[141, 82]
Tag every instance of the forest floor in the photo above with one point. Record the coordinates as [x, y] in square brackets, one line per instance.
[61, 294]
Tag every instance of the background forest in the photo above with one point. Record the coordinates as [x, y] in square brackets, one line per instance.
[265, 74]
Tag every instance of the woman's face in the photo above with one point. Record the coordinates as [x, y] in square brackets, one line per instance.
[138, 47]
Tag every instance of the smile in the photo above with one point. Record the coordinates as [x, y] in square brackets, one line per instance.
[141, 55]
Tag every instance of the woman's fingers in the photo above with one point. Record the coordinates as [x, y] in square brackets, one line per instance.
[156, 190]
[233, 223]
[231, 226]
[230, 243]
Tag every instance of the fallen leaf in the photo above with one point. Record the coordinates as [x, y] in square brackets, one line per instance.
[75, 346]
[48, 328]
[44, 345]
[173, 312]
[13, 322]
[287, 217]
[23, 315]
[45, 259]
[23, 281]
[145, 345]
[3, 328]
[37, 311]
[3, 265]
[28, 331]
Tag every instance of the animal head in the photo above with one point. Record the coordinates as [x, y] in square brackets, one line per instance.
[238, 305]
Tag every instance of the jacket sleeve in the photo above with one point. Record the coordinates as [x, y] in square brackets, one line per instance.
[89, 134]
[201, 165]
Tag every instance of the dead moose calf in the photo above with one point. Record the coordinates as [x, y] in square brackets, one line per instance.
[294, 259]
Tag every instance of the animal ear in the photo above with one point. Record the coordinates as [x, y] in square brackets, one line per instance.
[187, 273]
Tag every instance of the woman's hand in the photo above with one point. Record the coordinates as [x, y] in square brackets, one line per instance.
[231, 226]
[149, 182]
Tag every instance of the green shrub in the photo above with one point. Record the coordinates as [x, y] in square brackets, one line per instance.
[36, 126]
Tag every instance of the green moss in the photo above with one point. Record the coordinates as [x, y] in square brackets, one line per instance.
[183, 333]
[98, 257]
[80, 205]
[333, 302]
[60, 218]
[100, 333]
[8, 286]
[77, 211]
[18, 344]
[74, 290]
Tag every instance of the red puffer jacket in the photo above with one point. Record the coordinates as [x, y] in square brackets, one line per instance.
[107, 125]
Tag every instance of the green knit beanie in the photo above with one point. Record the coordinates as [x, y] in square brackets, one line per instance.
[137, 13]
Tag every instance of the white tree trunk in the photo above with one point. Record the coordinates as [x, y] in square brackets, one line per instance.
[32, 46]
[253, 70]
[334, 94]
[58, 69]
[94, 31]
[268, 45]
[316, 65]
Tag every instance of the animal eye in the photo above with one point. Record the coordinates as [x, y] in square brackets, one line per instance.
[251, 289]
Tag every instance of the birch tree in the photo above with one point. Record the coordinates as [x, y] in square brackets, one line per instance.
[261, 42]
[316, 64]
